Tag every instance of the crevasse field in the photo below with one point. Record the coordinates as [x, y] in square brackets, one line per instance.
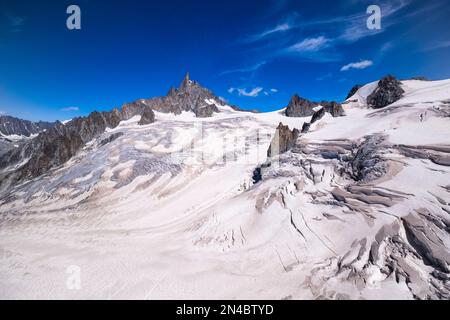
[170, 210]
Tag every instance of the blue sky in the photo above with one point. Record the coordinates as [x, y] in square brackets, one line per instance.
[255, 54]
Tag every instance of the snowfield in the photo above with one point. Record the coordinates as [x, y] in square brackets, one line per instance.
[358, 209]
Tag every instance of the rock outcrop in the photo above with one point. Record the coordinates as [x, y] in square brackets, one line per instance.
[319, 114]
[333, 108]
[299, 107]
[206, 111]
[420, 78]
[111, 138]
[389, 90]
[353, 91]
[306, 126]
[236, 108]
[283, 140]
[148, 117]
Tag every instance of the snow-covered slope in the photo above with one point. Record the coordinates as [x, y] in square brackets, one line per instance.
[359, 208]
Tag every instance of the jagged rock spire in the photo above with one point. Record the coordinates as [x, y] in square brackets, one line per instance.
[353, 91]
[172, 91]
[186, 81]
[300, 107]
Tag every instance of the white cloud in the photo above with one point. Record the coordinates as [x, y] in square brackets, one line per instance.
[311, 45]
[279, 28]
[246, 69]
[243, 92]
[274, 90]
[68, 109]
[2, 112]
[357, 65]
[252, 93]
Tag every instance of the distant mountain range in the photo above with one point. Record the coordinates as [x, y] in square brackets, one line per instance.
[10, 126]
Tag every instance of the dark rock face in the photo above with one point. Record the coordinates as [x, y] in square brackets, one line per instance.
[206, 111]
[353, 91]
[420, 78]
[190, 96]
[318, 115]
[148, 117]
[10, 125]
[306, 126]
[334, 108]
[389, 90]
[5, 146]
[283, 140]
[299, 107]
[236, 108]
[111, 138]
[257, 175]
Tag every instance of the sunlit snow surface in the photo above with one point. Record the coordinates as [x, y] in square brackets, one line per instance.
[169, 210]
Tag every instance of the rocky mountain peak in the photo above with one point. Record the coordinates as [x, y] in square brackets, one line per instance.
[388, 91]
[172, 91]
[190, 96]
[300, 107]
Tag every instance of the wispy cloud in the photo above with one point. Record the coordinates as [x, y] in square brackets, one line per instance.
[325, 76]
[243, 91]
[270, 92]
[437, 45]
[70, 109]
[282, 27]
[15, 23]
[278, 28]
[352, 28]
[2, 113]
[245, 69]
[310, 45]
[325, 36]
[357, 65]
